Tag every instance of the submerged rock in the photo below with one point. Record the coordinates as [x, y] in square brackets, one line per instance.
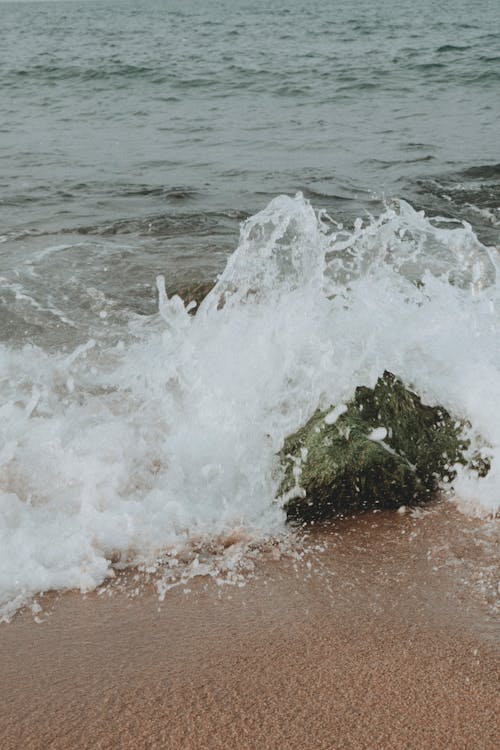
[383, 449]
[193, 292]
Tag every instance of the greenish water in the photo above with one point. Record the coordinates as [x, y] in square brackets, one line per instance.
[179, 117]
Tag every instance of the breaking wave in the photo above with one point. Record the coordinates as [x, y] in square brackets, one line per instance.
[130, 447]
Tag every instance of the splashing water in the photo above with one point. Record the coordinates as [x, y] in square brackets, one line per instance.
[123, 451]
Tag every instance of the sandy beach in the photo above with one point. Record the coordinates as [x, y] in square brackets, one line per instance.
[380, 632]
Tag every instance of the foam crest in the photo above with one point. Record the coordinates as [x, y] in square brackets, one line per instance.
[130, 451]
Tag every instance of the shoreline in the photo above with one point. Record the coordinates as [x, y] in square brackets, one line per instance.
[382, 632]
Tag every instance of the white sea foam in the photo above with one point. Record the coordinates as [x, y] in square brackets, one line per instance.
[492, 216]
[131, 450]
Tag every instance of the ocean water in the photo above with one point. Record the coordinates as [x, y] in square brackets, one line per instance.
[336, 170]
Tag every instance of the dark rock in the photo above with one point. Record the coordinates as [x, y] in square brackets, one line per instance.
[192, 292]
[386, 449]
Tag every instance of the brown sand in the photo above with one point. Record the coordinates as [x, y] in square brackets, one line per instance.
[387, 639]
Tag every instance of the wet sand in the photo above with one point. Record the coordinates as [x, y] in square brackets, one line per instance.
[381, 632]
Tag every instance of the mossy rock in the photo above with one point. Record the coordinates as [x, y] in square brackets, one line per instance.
[383, 449]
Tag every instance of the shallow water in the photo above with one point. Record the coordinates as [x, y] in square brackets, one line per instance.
[119, 116]
[134, 140]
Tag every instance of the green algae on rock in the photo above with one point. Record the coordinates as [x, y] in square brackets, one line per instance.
[383, 449]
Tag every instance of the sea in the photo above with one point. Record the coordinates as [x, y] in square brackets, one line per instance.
[333, 168]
